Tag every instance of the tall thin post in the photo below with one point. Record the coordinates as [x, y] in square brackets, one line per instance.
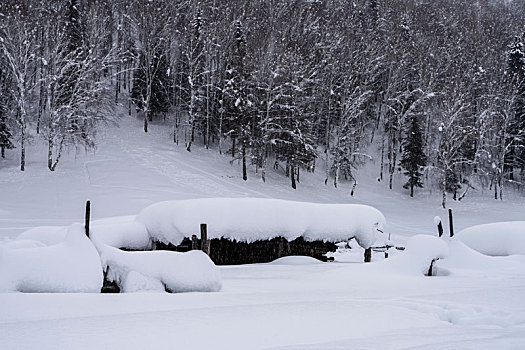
[451, 223]
[368, 255]
[194, 245]
[205, 243]
[88, 214]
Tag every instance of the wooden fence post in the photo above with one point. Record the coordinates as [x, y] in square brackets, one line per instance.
[88, 214]
[205, 243]
[194, 245]
[451, 223]
[368, 255]
[439, 224]
[429, 273]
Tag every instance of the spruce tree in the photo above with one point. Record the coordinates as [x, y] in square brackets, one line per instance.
[413, 158]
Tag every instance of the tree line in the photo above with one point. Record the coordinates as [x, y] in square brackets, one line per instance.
[435, 88]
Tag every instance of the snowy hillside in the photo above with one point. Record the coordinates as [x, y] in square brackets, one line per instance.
[131, 170]
[475, 302]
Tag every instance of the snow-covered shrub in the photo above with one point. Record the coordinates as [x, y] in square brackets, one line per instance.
[70, 266]
[251, 219]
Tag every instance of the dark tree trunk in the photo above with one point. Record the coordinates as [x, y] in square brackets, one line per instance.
[244, 174]
[292, 176]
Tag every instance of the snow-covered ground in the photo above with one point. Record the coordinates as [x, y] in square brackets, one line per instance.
[475, 302]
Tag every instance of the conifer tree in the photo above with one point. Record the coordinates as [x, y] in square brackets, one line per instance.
[413, 155]
[516, 68]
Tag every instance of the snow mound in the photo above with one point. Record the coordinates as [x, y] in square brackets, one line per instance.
[137, 282]
[251, 219]
[175, 272]
[419, 253]
[21, 244]
[296, 260]
[70, 266]
[119, 232]
[47, 235]
[496, 239]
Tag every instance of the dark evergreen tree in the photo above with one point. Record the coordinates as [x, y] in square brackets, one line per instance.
[413, 158]
[516, 69]
[236, 91]
[71, 53]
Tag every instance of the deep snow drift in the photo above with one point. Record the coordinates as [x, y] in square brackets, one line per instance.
[175, 272]
[250, 219]
[70, 266]
[497, 239]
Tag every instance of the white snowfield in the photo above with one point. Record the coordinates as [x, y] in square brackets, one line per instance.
[70, 266]
[496, 239]
[175, 272]
[479, 305]
[251, 219]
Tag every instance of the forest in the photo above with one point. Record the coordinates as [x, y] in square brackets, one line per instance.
[432, 88]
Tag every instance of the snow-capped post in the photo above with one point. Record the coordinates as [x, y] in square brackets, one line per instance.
[368, 255]
[437, 222]
[451, 223]
[88, 213]
[205, 243]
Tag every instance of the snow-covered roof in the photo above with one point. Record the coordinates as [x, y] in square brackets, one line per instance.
[251, 219]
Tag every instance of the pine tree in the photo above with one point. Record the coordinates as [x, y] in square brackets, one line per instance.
[236, 91]
[413, 157]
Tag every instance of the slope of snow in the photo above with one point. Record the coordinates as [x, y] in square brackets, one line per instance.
[499, 238]
[251, 219]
